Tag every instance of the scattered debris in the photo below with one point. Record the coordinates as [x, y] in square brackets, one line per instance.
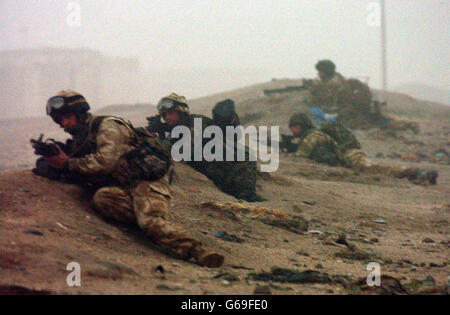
[388, 286]
[243, 209]
[223, 235]
[314, 232]
[34, 232]
[295, 224]
[291, 276]
[160, 269]
[19, 290]
[166, 288]
[394, 155]
[262, 290]
[242, 267]
[428, 240]
[429, 281]
[273, 217]
[227, 276]
[342, 239]
[62, 226]
[356, 254]
[302, 253]
[380, 221]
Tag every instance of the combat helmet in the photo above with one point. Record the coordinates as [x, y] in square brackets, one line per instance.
[301, 119]
[326, 66]
[66, 101]
[173, 102]
[225, 109]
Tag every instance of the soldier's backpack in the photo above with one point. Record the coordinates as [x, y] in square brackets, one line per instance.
[361, 96]
[148, 161]
[345, 139]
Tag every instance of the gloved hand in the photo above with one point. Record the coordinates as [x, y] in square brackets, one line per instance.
[58, 161]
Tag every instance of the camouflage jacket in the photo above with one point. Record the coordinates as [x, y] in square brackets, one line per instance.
[336, 81]
[331, 94]
[237, 178]
[315, 145]
[96, 151]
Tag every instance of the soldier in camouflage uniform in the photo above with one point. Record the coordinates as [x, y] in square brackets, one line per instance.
[332, 92]
[97, 146]
[237, 178]
[325, 145]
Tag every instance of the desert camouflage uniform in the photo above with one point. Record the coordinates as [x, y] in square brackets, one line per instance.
[358, 160]
[331, 94]
[95, 156]
[317, 146]
[320, 147]
[336, 81]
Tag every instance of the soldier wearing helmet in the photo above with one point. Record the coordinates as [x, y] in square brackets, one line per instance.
[95, 155]
[173, 109]
[333, 144]
[331, 92]
[237, 178]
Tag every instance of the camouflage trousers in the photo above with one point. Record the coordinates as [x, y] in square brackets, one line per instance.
[235, 178]
[147, 204]
[356, 159]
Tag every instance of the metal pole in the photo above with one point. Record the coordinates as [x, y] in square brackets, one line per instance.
[383, 46]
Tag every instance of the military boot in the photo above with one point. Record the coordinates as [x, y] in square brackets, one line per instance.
[205, 258]
[427, 175]
[418, 176]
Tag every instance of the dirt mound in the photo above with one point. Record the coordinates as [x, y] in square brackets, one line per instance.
[46, 225]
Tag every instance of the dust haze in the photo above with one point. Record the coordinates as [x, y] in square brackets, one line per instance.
[128, 52]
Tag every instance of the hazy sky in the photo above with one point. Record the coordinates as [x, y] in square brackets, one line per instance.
[230, 44]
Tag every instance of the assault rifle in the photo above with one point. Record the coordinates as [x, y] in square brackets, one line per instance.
[287, 145]
[47, 148]
[155, 125]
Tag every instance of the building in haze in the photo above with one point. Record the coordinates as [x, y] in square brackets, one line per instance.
[29, 77]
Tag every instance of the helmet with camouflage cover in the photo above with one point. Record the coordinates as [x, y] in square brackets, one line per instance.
[326, 66]
[173, 102]
[66, 101]
[301, 119]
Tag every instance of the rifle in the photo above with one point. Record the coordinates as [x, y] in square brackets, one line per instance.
[47, 148]
[156, 126]
[287, 145]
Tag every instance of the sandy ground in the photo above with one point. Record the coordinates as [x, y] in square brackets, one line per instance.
[404, 227]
